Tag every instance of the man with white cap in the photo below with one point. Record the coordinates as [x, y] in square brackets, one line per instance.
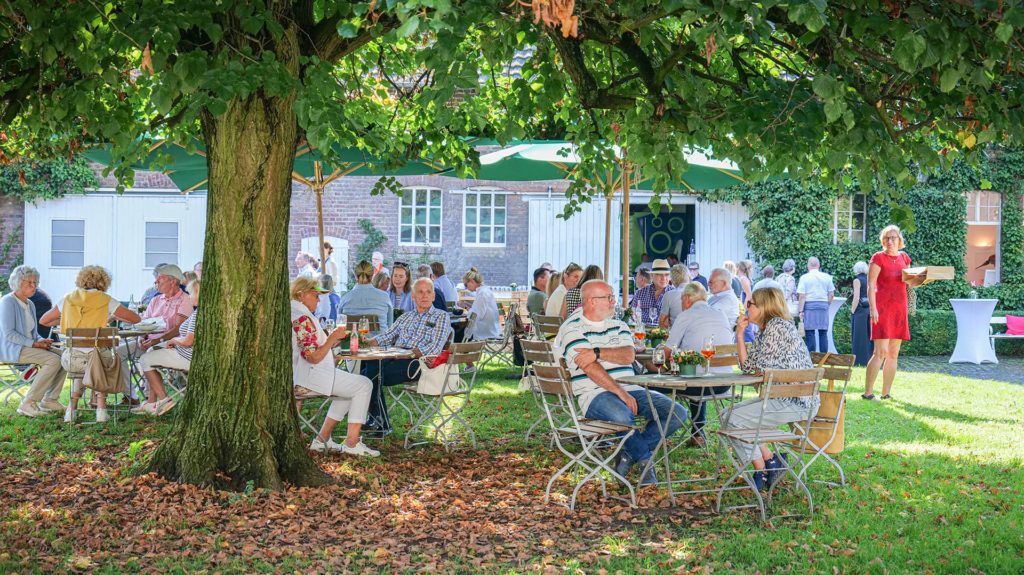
[172, 305]
[649, 299]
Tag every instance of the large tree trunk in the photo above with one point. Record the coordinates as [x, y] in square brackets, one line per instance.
[238, 423]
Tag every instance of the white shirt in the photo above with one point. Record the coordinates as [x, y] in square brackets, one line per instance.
[554, 305]
[815, 285]
[331, 269]
[488, 324]
[768, 282]
[30, 318]
[578, 333]
[447, 288]
[307, 271]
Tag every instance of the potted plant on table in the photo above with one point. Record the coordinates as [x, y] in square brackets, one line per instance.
[687, 361]
[656, 336]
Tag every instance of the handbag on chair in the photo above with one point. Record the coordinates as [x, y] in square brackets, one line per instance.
[432, 379]
[103, 374]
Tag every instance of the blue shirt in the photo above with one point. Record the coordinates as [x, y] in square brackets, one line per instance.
[428, 331]
[366, 299]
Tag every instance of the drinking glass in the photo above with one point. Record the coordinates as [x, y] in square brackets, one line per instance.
[640, 331]
[658, 357]
[342, 319]
[708, 351]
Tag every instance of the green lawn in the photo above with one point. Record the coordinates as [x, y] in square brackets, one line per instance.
[935, 485]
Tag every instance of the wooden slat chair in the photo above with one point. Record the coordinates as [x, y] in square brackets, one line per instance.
[777, 384]
[102, 338]
[540, 351]
[500, 348]
[828, 422]
[590, 444]
[434, 413]
[725, 355]
[546, 326]
[308, 420]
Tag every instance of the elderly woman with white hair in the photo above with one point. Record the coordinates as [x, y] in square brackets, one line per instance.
[788, 282]
[21, 343]
[314, 371]
[860, 316]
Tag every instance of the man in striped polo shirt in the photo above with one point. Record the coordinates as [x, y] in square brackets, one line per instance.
[598, 350]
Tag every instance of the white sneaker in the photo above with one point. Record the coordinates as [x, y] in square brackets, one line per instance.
[51, 405]
[360, 449]
[70, 415]
[29, 410]
[141, 408]
[163, 406]
[320, 446]
[101, 415]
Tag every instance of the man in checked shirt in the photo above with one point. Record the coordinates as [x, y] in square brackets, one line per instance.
[424, 330]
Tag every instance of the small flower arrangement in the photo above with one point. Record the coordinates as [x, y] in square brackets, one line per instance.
[514, 286]
[657, 333]
[688, 357]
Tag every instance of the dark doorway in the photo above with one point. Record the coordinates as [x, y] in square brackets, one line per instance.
[670, 232]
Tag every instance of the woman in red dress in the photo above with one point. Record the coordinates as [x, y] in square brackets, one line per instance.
[887, 298]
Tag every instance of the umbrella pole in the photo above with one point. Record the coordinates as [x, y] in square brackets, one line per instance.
[625, 233]
[608, 234]
[318, 189]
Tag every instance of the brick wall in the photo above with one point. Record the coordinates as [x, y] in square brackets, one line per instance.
[143, 180]
[348, 200]
[12, 221]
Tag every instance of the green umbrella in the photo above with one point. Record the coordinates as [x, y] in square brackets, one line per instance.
[559, 160]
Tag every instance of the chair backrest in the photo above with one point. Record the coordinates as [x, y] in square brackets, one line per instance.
[794, 383]
[552, 379]
[547, 325]
[466, 352]
[725, 355]
[372, 318]
[838, 368]
[538, 351]
[90, 337]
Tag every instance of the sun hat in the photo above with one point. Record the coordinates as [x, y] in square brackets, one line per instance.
[660, 267]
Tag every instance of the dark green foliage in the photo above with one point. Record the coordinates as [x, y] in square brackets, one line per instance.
[373, 240]
[932, 332]
[46, 180]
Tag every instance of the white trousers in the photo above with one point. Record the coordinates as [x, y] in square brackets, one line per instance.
[165, 357]
[350, 394]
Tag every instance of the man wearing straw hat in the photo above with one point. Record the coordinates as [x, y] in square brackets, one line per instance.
[648, 299]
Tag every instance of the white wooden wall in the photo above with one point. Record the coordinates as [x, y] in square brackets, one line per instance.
[114, 236]
[579, 239]
[720, 233]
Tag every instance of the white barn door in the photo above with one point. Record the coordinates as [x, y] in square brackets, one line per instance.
[578, 239]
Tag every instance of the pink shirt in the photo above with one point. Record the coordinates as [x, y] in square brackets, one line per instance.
[168, 308]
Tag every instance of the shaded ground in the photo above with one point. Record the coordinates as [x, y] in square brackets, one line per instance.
[1009, 369]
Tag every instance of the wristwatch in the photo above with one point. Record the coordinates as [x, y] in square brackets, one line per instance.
[597, 353]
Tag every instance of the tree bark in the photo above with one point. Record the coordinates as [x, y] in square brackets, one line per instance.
[237, 424]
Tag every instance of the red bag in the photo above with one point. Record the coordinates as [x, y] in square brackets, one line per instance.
[440, 359]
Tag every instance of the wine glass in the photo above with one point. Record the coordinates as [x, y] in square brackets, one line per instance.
[639, 331]
[342, 319]
[708, 351]
[658, 357]
[364, 328]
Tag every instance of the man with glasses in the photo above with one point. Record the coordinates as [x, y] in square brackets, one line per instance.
[598, 350]
[722, 297]
[695, 275]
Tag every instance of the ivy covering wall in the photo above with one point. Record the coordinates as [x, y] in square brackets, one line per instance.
[790, 219]
[31, 181]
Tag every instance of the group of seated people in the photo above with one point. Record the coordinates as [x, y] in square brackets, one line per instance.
[599, 349]
[89, 306]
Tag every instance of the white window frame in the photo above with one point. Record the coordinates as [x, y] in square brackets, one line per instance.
[145, 237]
[844, 232]
[984, 199]
[477, 193]
[415, 209]
[54, 266]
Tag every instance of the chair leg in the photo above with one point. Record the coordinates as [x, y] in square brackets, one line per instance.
[741, 471]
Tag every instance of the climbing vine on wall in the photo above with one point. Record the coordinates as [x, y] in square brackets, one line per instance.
[31, 181]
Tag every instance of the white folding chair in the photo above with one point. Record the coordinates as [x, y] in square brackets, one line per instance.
[437, 415]
[725, 356]
[540, 351]
[308, 420]
[590, 444]
[500, 348]
[778, 384]
[12, 380]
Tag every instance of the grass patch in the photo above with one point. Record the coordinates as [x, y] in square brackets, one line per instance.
[935, 485]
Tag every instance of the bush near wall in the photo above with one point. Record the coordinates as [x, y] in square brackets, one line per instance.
[932, 332]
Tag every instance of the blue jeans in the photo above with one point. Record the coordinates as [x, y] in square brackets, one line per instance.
[816, 340]
[698, 410]
[640, 445]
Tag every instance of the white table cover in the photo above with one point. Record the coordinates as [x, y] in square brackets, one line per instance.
[972, 323]
[833, 308]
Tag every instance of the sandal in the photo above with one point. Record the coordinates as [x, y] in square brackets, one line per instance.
[869, 397]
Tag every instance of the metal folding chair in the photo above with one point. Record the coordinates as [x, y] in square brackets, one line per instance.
[546, 326]
[540, 352]
[12, 379]
[590, 444]
[106, 340]
[308, 420]
[500, 348]
[435, 413]
[829, 419]
[725, 355]
[778, 384]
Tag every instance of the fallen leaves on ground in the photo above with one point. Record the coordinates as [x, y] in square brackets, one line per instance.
[419, 510]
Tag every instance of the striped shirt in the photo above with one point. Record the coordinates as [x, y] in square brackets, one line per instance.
[578, 333]
[188, 326]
